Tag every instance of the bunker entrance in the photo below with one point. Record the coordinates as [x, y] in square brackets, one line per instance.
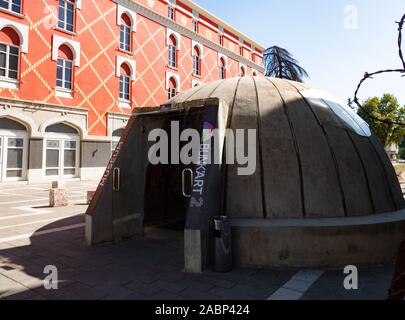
[141, 197]
[168, 186]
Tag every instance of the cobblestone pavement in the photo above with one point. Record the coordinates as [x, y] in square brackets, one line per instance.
[33, 236]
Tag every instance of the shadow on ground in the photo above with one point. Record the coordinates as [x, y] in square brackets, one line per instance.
[143, 268]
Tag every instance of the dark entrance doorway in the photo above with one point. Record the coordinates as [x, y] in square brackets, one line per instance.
[168, 186]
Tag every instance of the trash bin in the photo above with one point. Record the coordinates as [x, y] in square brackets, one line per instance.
[222, 249]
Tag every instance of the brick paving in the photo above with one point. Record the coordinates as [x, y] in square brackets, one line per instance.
[33, 236]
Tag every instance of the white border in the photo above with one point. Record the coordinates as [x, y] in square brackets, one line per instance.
[73, 45]
[220, 56]
[176, 77]
[22, 31]
[177, 35]
[199, 46]
[131, 63]
[131, 14]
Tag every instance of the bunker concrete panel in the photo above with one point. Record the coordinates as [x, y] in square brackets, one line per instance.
[281, 174]
[312, 245]
[190, 94]
[354, 182]
[376, 176]
[244, 116]
[128, 211]
[391, 176]
[226, 91]
[205, 91]
[322, 193]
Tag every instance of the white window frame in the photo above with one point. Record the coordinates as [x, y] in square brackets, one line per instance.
[195, 26]
[222, 72]
[196, 65]
[123, 93]
[64, 80]
[62, 138]
[10, 6]
[7, 67]
[172, 56]
[4, 136]
[171, 13]
[126, 30]
[65, 15]
[171, 93]
[221, 40]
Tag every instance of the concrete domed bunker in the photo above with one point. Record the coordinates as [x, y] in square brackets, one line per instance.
[324, 193]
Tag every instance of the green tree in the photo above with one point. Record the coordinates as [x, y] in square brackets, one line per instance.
[387, 109]
[279, 63]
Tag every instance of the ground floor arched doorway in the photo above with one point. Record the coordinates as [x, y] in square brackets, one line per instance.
[61, 155]
[13, 150]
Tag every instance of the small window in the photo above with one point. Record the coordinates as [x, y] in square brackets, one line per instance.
[172, 59]
[170, 13]
[125, 87]
[241, 51]
[253, 57]
[221, 40]
[9, 61]
[195, 26]
[172, 91]
[242, 72]
[66, 15]
[125, 33]
[222, 69]
[64, 74]
[11, 5]
[196, 62]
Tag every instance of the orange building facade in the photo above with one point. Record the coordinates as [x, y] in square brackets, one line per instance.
[72, 73]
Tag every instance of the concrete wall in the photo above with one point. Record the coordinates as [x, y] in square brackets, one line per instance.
[319, 243]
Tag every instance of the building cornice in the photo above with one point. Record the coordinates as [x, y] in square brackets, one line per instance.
[197, 8]
[148, 13]
[34, 105]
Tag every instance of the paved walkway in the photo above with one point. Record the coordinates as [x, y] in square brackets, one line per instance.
[33, 236]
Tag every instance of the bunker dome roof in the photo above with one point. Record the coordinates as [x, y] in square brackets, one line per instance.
[315, 157]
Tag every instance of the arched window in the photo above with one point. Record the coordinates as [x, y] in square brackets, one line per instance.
[64, 73]
[222, 69]
[254, 73]
[125, 83]
[9, 53]
[172, 91]
[125, 33]
[11, 5]
[172, 51]
[61, 151]
[196, 61]
[242, 72]
[66, 15]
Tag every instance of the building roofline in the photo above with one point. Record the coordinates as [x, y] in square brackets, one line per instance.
[222, 23]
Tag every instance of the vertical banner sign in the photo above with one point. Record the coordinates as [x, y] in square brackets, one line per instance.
[205, 201]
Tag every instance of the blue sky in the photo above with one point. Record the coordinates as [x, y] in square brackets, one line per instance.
[314, 31]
